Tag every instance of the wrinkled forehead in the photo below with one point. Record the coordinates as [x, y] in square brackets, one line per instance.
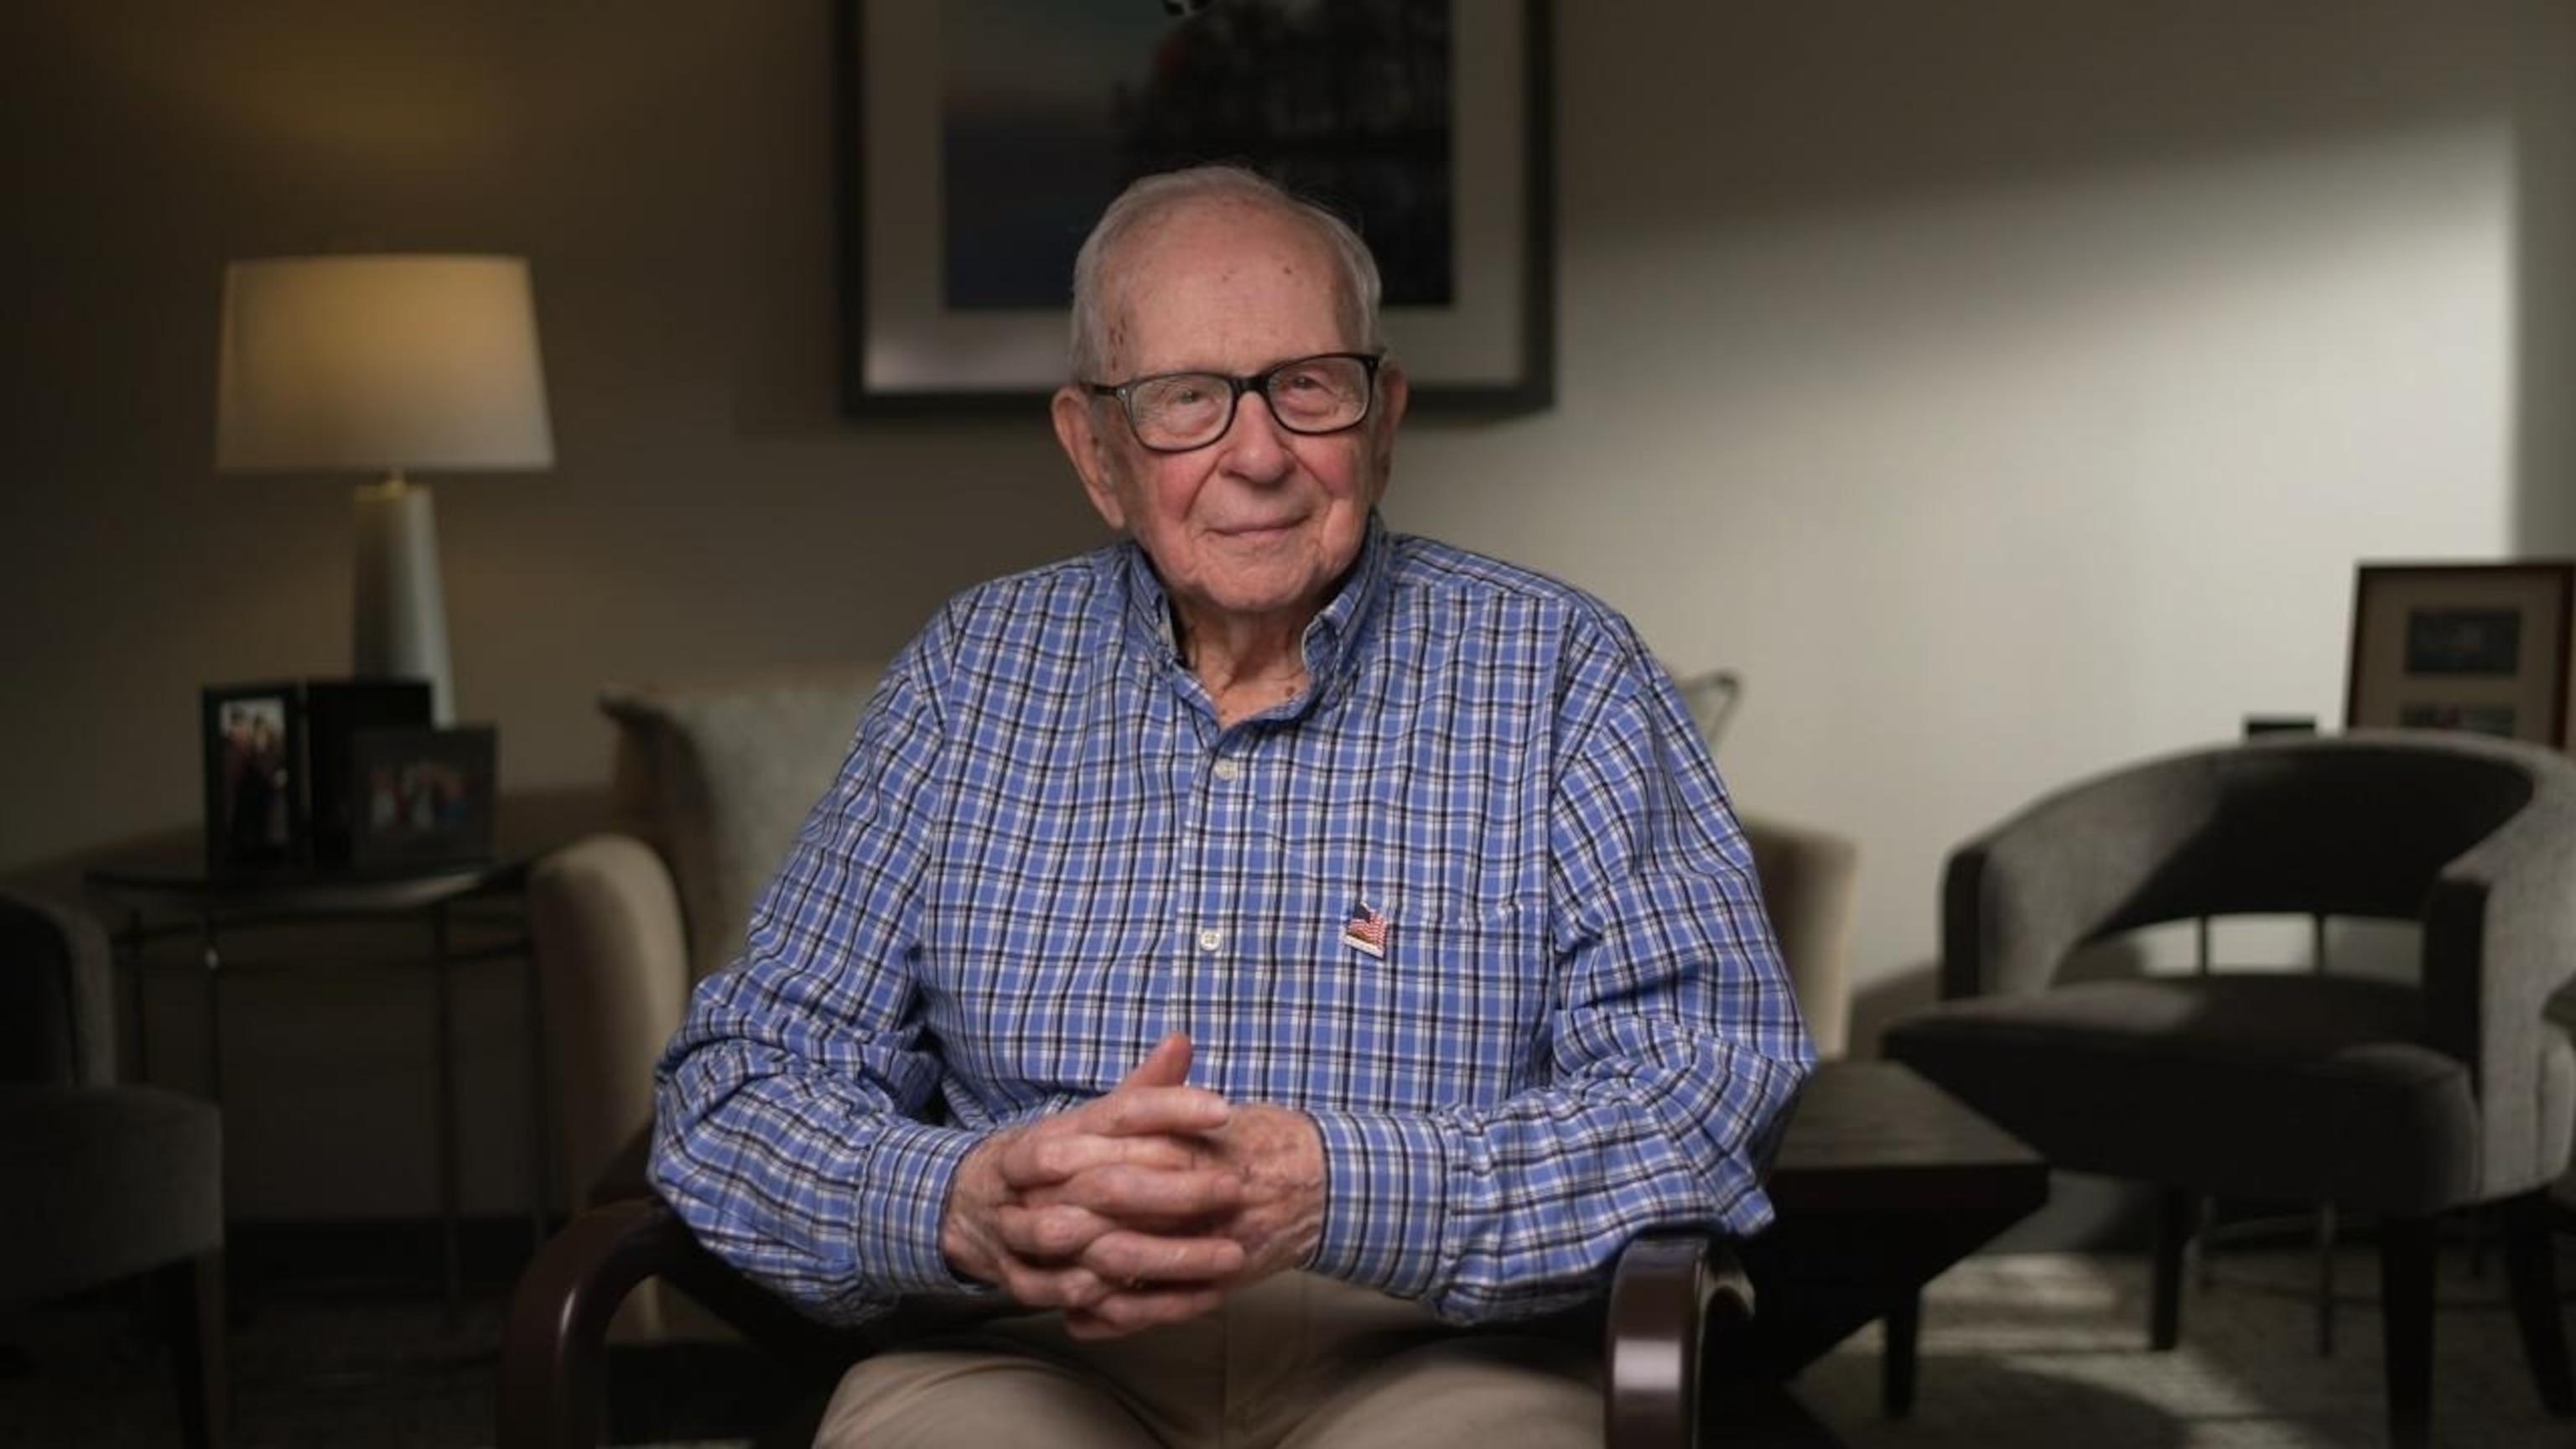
[1211, 268]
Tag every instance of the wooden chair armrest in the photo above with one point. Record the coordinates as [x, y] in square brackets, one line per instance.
[554, 1349]
[1666, 1291]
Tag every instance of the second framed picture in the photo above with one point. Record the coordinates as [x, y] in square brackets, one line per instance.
[424, 796]
[2482, 647]
[336, 712]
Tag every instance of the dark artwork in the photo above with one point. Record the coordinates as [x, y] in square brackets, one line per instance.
[2484, 719]
[1048, 109]
[2463, 641]
[253, 774]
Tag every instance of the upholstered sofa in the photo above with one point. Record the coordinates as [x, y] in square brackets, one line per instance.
[711, 779]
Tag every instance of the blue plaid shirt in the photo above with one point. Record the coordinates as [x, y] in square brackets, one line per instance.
[1043, 854]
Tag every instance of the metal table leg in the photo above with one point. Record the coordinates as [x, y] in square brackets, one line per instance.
[541, 1186]
[448, 1154]
[211, 959]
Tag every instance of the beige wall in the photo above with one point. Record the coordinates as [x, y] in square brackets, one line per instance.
[2003, 392]
[2009, 390]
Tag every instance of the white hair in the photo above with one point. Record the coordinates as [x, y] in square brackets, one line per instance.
[1149, 197]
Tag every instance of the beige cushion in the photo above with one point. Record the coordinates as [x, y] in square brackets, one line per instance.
[717, 774]
[1808, 879]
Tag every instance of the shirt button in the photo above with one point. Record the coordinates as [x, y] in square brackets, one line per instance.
[1227, 769]
[1211, 938]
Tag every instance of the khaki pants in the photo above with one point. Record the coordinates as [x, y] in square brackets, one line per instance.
[1295, 1362]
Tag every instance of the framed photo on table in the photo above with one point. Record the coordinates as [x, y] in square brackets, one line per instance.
[254, 762]
[335, 711]
[424, 796]
[980, 139]
[2482, 647]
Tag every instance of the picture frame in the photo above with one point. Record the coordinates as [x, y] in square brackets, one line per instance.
[251, 736]
[960, 213]
[2483, 647]
[335, 711]
[424, 796]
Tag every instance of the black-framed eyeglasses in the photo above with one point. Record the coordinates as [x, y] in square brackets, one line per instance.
[1175, 412]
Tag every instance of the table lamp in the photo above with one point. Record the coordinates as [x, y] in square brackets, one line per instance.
[384, 364]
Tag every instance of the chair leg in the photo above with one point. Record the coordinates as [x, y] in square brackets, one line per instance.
[2531, 1269]
[2175, 1212]
[1903, 1330]
[2406, 1309]
[2204, 1242]
[2325, 1279]
[191, 1294]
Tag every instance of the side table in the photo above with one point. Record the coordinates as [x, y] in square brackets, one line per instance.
[1883, 1180]
[179, 895]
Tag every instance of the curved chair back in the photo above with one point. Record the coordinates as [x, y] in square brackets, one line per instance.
[2353, 825]
[55, 995]
[718, 773]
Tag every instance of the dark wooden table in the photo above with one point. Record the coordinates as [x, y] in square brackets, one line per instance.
[1882, 1182]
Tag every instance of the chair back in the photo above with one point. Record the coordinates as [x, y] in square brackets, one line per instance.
[2361, 824]
[719, 773]
[56, 1016]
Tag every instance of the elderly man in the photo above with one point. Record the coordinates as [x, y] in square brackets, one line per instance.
[1279, 952]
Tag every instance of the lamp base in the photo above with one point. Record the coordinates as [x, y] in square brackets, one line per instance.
[400, 618]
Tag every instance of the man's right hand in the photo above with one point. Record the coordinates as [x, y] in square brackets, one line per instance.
[1103, 1211]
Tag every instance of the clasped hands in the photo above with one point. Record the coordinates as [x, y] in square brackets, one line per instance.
[1144, 1206]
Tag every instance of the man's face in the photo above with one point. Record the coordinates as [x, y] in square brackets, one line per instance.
[1259, 525]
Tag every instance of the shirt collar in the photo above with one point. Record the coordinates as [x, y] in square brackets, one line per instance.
[1331, 639]
[1330, 636]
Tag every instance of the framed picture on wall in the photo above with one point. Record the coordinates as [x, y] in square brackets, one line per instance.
[980, 139]
[2482, 647]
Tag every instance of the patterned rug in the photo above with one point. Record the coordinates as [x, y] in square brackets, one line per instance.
[2022, 1351]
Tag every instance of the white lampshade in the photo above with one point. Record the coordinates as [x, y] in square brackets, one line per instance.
[384, 364]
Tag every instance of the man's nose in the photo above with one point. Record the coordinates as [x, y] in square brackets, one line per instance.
[1256, 446]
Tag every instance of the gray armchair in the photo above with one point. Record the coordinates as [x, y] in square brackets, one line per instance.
[131, 1177]
[2402, 1100]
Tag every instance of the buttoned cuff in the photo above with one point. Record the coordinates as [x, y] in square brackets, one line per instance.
[912, 1168]
[1386, 1194]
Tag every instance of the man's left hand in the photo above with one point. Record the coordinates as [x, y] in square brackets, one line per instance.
[1277, 1155]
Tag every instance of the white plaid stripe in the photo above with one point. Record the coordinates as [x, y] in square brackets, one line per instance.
[1043, 854]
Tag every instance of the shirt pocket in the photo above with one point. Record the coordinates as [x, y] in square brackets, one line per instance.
[1453, 1011]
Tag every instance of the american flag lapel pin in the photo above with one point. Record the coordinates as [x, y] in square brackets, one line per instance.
[1366, 931]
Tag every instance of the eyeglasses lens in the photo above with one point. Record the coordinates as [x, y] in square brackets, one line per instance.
[1311, 395]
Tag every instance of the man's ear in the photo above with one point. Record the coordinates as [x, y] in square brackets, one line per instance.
[1393, 390]
[1077, 432]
